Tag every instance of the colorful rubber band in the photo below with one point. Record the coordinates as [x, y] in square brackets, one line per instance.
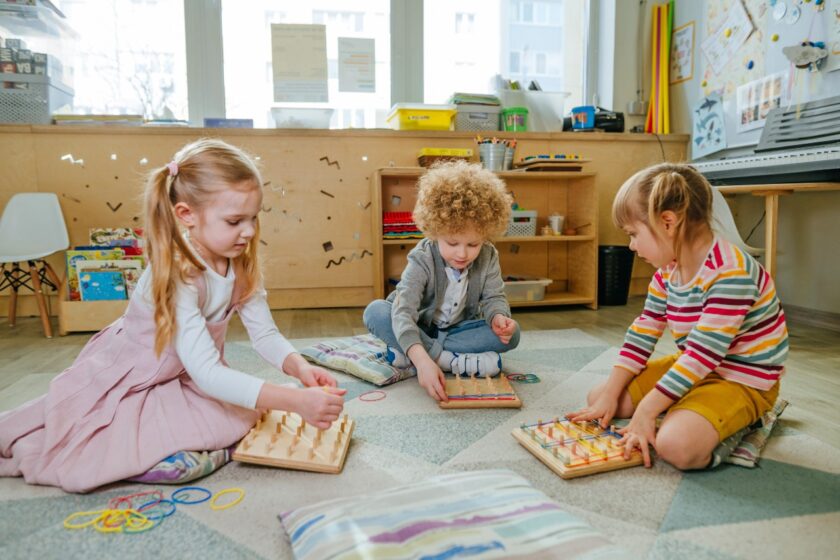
[155, 504]
[238, 499]
[68, 521]
[375, 392]
[174, 496]
[523, 377]
[114, 503]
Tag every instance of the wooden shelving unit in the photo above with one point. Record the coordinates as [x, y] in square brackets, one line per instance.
[571, 261]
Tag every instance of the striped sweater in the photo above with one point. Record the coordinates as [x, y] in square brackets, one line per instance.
[727, 320]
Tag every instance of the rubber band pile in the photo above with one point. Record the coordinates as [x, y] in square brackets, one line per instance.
[523, 377]
[121, 515]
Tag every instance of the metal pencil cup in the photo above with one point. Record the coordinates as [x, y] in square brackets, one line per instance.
[509, 158]
[492, 156]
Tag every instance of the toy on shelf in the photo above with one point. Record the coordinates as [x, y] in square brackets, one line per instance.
[573, 449]
[284, 439]
[551, 162]
[480, 392]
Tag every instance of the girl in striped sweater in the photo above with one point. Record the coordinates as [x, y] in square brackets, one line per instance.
[722, 310]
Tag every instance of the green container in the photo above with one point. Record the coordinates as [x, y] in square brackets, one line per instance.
[515, 119]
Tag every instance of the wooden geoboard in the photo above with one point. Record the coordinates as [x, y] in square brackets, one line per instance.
[573, 449]
[480, 392]
[284, 439]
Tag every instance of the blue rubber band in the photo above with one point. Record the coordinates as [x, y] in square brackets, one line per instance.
[153, 504]
[174, 496]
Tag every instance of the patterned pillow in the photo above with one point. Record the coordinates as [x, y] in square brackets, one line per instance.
[478, 514]
[184, 466]
[361, 356]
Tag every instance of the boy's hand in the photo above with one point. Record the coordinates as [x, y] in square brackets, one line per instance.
[603, 410]
[314, 376]
[431, 378]
[503, 327]
[321, 407]
[641, 433]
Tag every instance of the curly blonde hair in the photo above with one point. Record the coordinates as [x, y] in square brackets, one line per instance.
[456, 196]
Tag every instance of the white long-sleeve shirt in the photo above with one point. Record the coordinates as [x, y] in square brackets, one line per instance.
[195, 346]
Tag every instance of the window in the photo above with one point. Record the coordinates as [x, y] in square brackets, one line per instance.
[519, 40]
[120, 66]
[249, 83]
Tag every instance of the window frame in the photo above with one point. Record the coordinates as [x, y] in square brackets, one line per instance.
[205, 71]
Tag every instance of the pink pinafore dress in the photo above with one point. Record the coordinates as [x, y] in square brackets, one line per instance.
[118, 410]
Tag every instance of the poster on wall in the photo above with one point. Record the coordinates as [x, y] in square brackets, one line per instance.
[356, 64]
[833, 62]
[682, 53]
[708, 133]
[722, 45]
[755, 99]
[299, 62]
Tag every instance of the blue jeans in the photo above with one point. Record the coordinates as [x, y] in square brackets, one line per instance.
[466, 337]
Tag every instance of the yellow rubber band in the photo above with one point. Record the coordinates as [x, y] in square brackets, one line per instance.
[213, 505]
[99, 515]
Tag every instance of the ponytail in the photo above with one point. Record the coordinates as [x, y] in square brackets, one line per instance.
[167, 250]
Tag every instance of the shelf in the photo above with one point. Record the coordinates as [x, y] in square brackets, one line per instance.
[557, 298]
[417, 171]
[508, 239]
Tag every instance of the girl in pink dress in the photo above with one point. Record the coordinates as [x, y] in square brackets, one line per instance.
[155, 381]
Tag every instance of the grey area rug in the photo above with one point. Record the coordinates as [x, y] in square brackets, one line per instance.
[789, 507]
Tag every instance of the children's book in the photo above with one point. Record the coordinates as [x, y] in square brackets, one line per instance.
[130, 267]
[98, 285]
[116, 237]
[76, 255]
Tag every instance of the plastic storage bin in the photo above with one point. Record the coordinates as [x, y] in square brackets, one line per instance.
[522, 223]
[35, 103]
[526, 289]
[301, 117]
[477, 117]
[615, 267]
[515, 119]
[545, 108]
[419, 116]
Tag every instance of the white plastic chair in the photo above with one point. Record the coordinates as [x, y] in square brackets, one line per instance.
[723, 223]
[32, 227]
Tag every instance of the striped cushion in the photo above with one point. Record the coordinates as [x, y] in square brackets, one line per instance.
[480, 514]
[361, 356]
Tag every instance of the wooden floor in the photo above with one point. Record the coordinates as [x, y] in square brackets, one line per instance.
[811, 384]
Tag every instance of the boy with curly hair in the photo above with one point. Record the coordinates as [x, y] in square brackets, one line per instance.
[449, 311]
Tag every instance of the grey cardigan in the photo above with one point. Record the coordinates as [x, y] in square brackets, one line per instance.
[423, 286]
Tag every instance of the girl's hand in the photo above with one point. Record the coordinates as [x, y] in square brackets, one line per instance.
[503, 327]
[314, 376]
[603, 410]
[432, 380]
[320, 406]
[639, 433]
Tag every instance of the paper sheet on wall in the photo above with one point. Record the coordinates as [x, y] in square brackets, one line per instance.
[299, 62]
[833, 62]
[720, 48]
[755, 99]
[682, 53]
[356, 65]
[708, 133]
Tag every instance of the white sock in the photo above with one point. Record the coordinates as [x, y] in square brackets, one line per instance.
[445, 360]
[397, 358]
[483, 364]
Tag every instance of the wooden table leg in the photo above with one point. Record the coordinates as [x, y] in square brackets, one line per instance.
[771, 227]
[13, 296]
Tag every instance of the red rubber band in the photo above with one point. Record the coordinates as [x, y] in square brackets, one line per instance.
[374, 392]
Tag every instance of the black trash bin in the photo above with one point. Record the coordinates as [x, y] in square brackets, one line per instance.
[615, 267]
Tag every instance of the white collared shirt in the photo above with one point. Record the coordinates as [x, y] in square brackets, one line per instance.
[452, 307]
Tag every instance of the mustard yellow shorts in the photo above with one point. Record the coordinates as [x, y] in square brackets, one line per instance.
[728, 405]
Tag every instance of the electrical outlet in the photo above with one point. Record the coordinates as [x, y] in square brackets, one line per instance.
[637, 108]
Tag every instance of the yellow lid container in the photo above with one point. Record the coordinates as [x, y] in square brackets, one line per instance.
[419, 116]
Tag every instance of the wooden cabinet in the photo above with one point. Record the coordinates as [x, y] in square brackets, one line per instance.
[570, 261]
